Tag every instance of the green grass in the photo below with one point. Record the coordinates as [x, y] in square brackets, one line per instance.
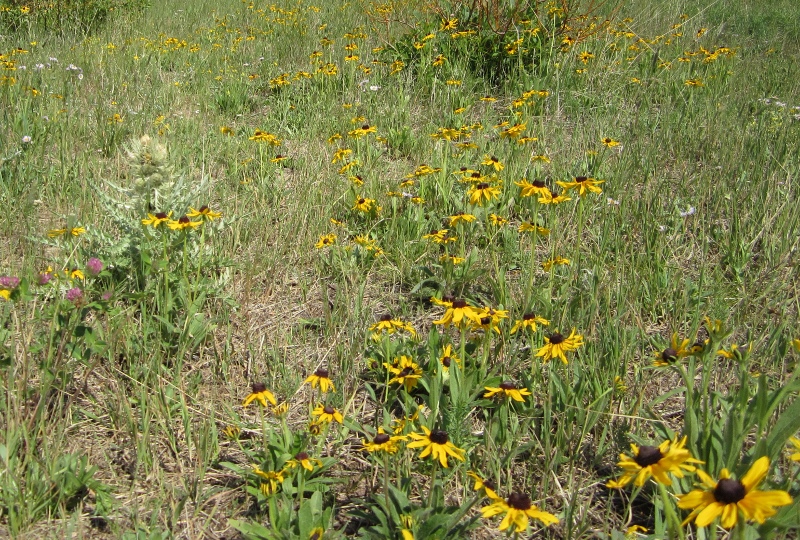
[122, 416]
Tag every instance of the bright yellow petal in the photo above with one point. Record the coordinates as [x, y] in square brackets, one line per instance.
[709, 514]
[758, 471]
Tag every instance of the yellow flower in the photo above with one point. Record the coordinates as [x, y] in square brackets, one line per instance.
[327, 414]
[448, 357]
[362, 204]
[406, 372]
[73, 231]
[496, 220]
[582, 184]
[529, 320]
[325, 240]
[671, 354]
[439, 60]
[435, 444]
[183, 223]
[609, 142]
[727, 497]
[646, 461]
[439, 236]
[225, 130]
[383, 443]
[491, 318]
[461, 216]
[492, 161]
[363, 130]
[155, 220]
[263, 136]
[483, 192]
[205, 212]
[390, 326]
[302, 459]
[514, 131]
[260, 394]
[796, 444]
[316, 533]
[340, 154]
[535, 188]
[281, 409]
[321, 377]
[796, 344]
[548, 264]
[526, 226]
[486, 485]
[553, 197]
[458, 312]
[273, 479]
[517, 510]
[556, 345]
[507, 389]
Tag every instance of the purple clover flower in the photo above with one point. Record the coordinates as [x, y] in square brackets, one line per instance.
[9, 282]
[94, 266]
[75, 295]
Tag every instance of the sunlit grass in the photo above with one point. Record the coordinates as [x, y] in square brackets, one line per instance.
[290, 270]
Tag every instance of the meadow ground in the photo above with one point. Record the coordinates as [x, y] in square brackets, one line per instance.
[386, 270]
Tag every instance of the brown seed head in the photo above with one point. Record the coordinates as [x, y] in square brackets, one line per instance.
[648, 455]
[519, 501]
[556, 338]
[438, 436]
[729, 491]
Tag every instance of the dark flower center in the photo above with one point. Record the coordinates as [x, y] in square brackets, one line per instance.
[528, 316]
[648, 455]
[483, 185]
[161, 215]
[203, 209]
[729, 491]
[259, 387]
[446, 361]
[556, 338]
[328, 410]
[365, 127]
[278, 156]
[302, 456]
[381, 438]
[476, 175]
[580, 179]
[553, 194]
[494, 159]
[459, 304]
[463, 169]
[385, 318]
[406, 372]
[538, 183]
[486, 320]
[361, 201]
[322, 373]
[183, 219]
[508, 385]
[438, 436]
[519, 501]
[489, 484]
[434, 232]
[669, 354]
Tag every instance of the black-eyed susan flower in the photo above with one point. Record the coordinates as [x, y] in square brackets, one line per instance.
[483, 193]
[727, 498]
[302, 459]
[482, 484]
[326, 240]
[608, 142]
[361, 131]
[183, 223]
[383, 442]
[225, 130]
[795, 442]
[497, 220]
[436, 444]
[514, 131]
[272, 479]
[557, 345]
[281, 409]
[585, 56]
[530, 321]
[448, 357]
[460, 313]
[553, 197]
[548, 264]
[261, 394]
[69, 231]
[326, 414]
[388, 324]
[265, 137]
[155, 220]
[507, 389]
[439, 236]
[527, 226]
[406, 372]
[492, 318]
[459, 217]
[517, 510]
[363, 204]
[493, 161]
[582, 184]
[673, 353]
[321, 378]
[204, 212]
[670, 457]
[537, 188]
